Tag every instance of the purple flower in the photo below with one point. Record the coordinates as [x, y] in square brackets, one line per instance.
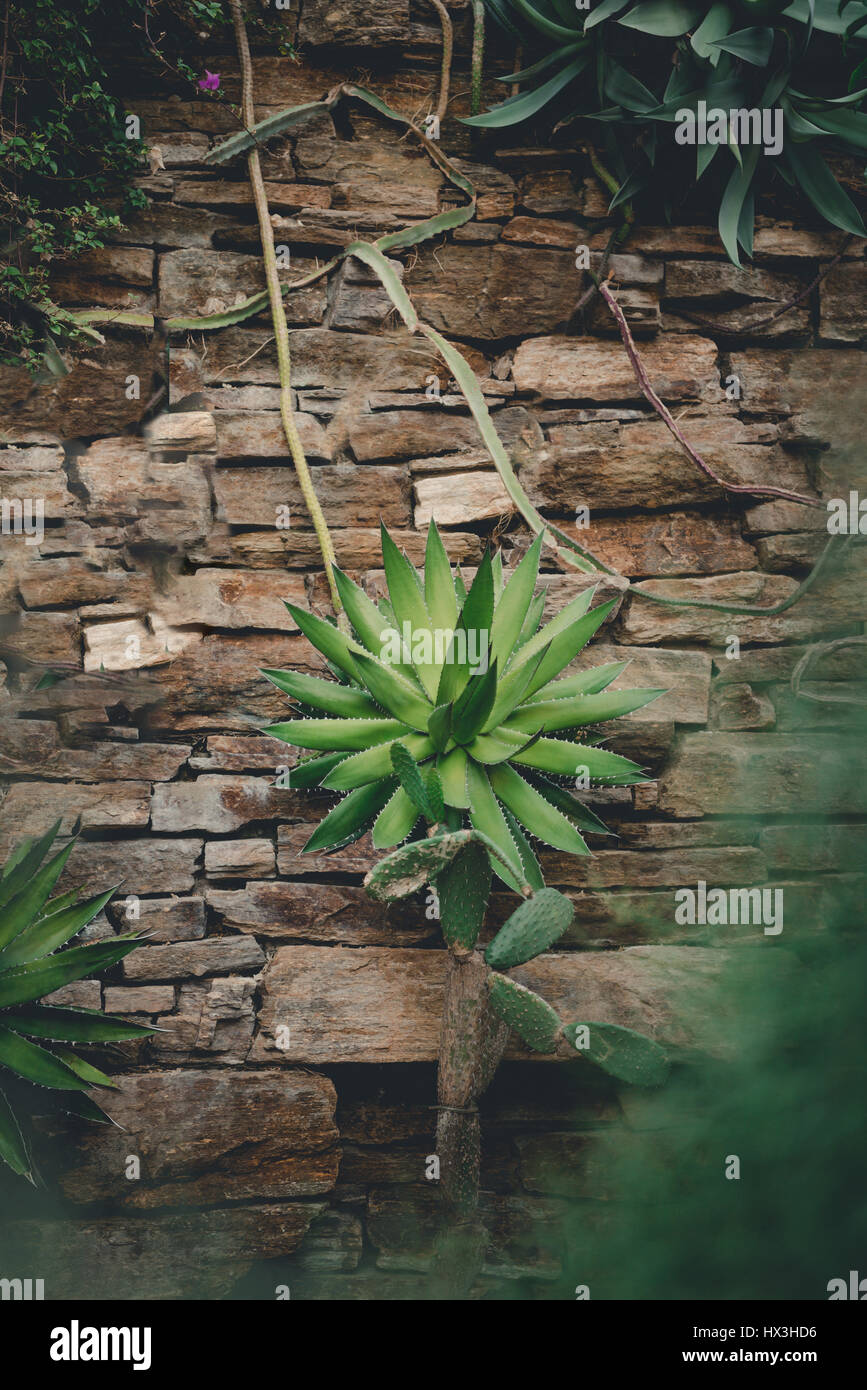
[210, 82]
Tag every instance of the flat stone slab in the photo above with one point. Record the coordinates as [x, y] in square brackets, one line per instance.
[374, 1004]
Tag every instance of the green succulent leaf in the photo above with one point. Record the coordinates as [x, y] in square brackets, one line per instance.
[439, 589]
[715, 25]
[20, 911]
[439, 727]
[375, 630]
[452, 769]
[41, 977]
[525, 1011]
[667, 18]
[513, 690]
[474, 623]
[342, 734]
[311, 771]
[350, 818]
[329, 696]
[13, 1150]
[72, 1025]
[395, 694]
[734, 200]
[511, 610]
[566, 645]
[532, 869]
[589, 682]
[23, 863]
[572, 713]
[487, 817]
[84, 1070]
[535, 813]
[542, 22]
[474, 705]
[620, 1052]
[328, 640]
[822, 189]
[407, 600]
[526, 104]
[571, 759]
[563, 620]
[564, 801]
[374, 763]
[753, 45]
[36, 1064]
[491, 749]
[49, 932]
[396, 820]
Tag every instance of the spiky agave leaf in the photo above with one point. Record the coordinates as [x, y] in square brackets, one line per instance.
[467, 683]
[35, 960]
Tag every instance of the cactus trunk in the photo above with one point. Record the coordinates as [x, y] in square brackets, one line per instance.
[472, 1042]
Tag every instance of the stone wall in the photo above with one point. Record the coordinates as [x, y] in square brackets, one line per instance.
[157, 595]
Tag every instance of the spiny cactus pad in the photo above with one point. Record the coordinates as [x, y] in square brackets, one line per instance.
[463, 888]
[413, 865]
[531, 929]
[619, 1051]
[529, 1015]
[467, 683]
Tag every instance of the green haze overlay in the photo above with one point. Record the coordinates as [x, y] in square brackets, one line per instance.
[657, 1218]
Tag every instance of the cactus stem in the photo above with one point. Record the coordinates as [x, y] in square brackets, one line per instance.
[472, 1042]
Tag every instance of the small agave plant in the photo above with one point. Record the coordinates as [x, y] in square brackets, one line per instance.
[456, 738]
[38, 1041]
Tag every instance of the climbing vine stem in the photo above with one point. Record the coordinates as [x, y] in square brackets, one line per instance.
[446, 66]
[278, 315]
[478, 56]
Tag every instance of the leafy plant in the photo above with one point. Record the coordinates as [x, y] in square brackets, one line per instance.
[39, 1041]
[632, 68]
[67, 160]
[456, 737]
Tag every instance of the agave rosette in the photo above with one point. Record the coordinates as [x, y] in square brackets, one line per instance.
[38, 1041]
[471, 685]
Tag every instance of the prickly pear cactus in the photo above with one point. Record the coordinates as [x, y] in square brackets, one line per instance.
[619, 1051]
[531, 929]
[414, 865]
[456, 741]
[526, 1012]
[463, 888]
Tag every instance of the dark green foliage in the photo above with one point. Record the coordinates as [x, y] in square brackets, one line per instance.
[628, 70]
[34, 929]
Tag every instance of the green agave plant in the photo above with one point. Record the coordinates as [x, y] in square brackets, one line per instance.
[451, 710]
[38, 1041]
[730, 54]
